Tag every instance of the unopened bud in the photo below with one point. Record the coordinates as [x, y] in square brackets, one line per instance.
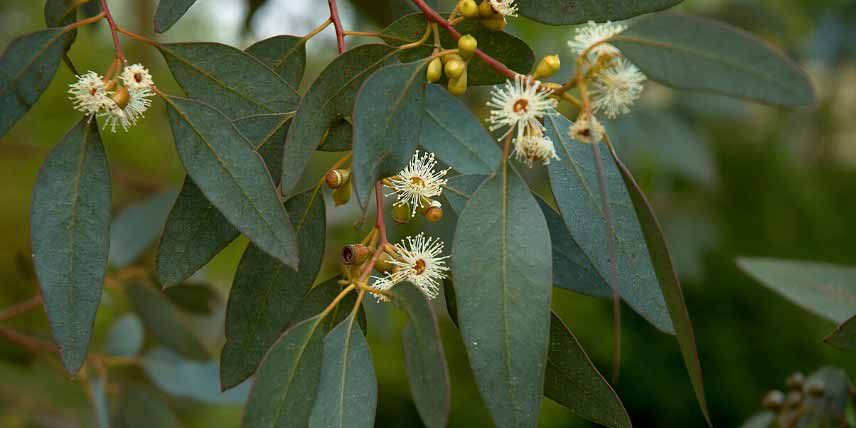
[384, 263]
[122, 97]
[458, 86]
[494, 23]
[454, 69]
[342, 195]
[354, 254]
[401, 213]
[468, 8]
[467, 46]
[793, 399]
[486, 10]
[435, 70]
[336, 178]
[434, 213]
[774, 400]
[451, 57]
[548, 66]
[795, 381]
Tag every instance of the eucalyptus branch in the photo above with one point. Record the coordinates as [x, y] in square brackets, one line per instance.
[21, 307]
[337, 24]
[114, 31]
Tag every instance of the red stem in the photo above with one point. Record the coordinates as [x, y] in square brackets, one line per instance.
[337, 24]
[432, 15]
[114, 30]
[381, 227]
[21, 307]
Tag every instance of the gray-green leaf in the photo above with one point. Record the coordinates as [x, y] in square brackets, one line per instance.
[285, 55]
[568, 12]
[844, 336]
[70, 226]
[688, 52]
[141, 407]
[501, 261]
[138, 226]
[164, 321]
[169, 12]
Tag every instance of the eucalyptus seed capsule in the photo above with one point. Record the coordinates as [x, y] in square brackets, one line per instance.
[468, 8]
[336, 178]
[467, 46]
[355, 254]
[434, 71]
[434, 213]
[454, 69]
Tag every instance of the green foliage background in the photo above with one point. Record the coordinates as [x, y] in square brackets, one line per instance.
[781, 184]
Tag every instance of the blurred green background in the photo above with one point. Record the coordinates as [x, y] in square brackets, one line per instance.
[728, 178]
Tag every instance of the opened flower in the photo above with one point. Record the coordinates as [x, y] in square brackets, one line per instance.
[616, 88]
[90, 94]
[129, 106]
[520, 105]
[417, 183]
[418, 260]
[590, 38]
[534, 148]
[137, 77]
[586, 129]
[504, 7]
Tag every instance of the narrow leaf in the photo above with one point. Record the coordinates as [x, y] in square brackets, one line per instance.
[669, 283]
[137, 227]
[70, 229]
[574, 183]
[169, 12]
[688, 52]
[164, 321]
[387, 120]
[347, 393]
[285, 55]
[327, 104]
[287, 380]
[141, 407]
[267, 295]
[27, 67]
[184, 378]
[501, 261]
[424, 358]
[231, 175]
[569, 12]
[823, 289]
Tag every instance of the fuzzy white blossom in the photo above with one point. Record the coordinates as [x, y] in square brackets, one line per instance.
[520, 105]
[418, 260]
[137, 104]
[534, 148]
[589, 37]
[615, 89]
[418, 182]
[137, 77]
[504, 7]
[89, 94]
[586, 129]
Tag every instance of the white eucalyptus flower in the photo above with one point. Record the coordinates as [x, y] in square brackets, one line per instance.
[504, 7]
[383, 283]
[586, 130]
[419, 262]
[520, 104]
[137, 77]
[615, 89]
[134, 108]
[534, 148]
[90, 94]
[590, 36]
[417, 183]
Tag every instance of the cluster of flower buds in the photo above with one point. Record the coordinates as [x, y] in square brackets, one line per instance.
[804, 398]
[491, 13]
[119, 103]
[454, 66]
[340, 181]
[416, 187]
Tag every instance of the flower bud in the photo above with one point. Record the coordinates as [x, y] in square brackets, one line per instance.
[468, 8]
[486, 10]
[454, 69]
[774, 400]
[467, 46]
[384, 263]
[793, 399]
[342, 195]
[495, 23]
[435, 70]
[451, 57]
[434, 213]
[122, 97]
[401, 213]
[355, 254]
[458, 86]
[548, 66]
[336, 178]
[795, 381]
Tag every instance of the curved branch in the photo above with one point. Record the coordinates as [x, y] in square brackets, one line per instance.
[337, 24]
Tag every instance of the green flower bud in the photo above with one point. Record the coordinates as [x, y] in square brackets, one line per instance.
[468, 8]
[458, 86]
[486, 10]
[435, 70]
[548, 66]
[454, 69]
[495, 23]
[467, 46]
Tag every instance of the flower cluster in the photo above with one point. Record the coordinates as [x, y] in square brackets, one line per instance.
[504, 7]
[417, 260]
[418, 183]
[121, 105]
[520, 106]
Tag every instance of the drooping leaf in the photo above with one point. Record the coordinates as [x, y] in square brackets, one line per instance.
[70, 229]
[191, 379]
[285, 55]
[326, 104]
[574, 382]
[164, 321]
[231, 175]
[195, 230]
[169, 12]
[669, 283]
[575, 186]
[387, 120]
[509, 50]
[27, 67]
[100, 405]
[267, 294]
[347, 393]
[844, 336]
[137, 227]
[760, 420]
[501, 261]
[823, 289]
[141, 407]
[287, 379]
[234, 81]
[688, 52]
[200, 299]
[424, 358]
[569, 12]
[455, 135]
[125, 338]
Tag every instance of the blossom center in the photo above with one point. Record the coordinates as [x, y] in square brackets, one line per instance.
[138, 77]
[521, 106]
[417, 181]
[419, 266]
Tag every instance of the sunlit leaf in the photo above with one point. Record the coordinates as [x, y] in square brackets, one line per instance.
[169, 12]
[70, 223]
[567, 12]
[164, 321]
[138, 226]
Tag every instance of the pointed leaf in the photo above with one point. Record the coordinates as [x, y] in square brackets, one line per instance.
[501, 262]
[460, 188]
[688, 52]
[574, 382]
[455, 135]
[27, 67]
[138, 226]
[424, 357]
[669, 283]
[287, 379]
[228, 78]
[181, 377]
[125, 338]
[569, 12]
[141, 407]
[844, 336]
[267, 294]
[823, 289]
[169, 12]
[195, 230]
[347, 393]
[387, 120]
[326, 104]
[70, 229]
[164, 321]
[231, 175]
[575, 187]
[285, 55]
